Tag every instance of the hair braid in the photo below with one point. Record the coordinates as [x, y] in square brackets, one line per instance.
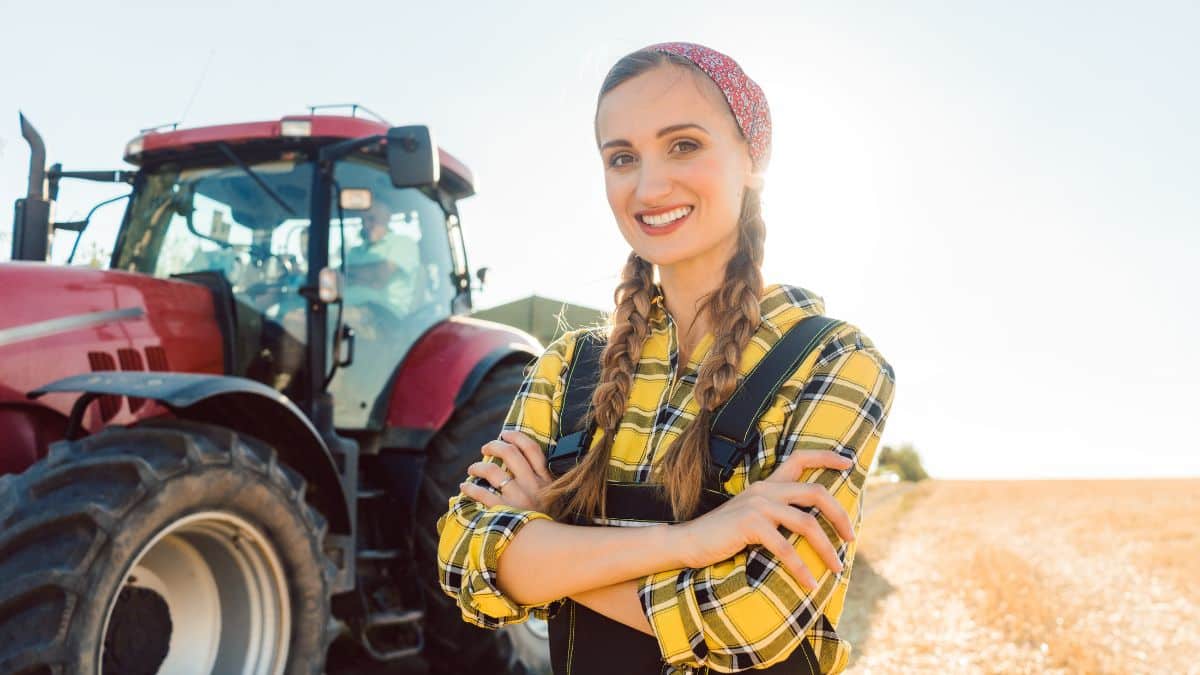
[734, 312]
[581, 490]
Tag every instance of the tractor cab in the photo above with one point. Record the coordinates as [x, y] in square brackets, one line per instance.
[231, 207]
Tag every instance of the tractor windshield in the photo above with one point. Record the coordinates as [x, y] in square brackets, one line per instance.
[217, 220]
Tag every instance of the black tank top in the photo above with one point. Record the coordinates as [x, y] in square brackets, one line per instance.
[584, 642]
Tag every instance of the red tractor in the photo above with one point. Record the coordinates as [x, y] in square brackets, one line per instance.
[227, 452]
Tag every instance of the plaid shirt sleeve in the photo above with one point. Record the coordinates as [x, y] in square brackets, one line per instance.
[471, 536]
[748, 612]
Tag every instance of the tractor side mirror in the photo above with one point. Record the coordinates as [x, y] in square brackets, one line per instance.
[412, 157]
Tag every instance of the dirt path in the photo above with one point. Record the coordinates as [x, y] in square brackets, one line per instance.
[1027, 577]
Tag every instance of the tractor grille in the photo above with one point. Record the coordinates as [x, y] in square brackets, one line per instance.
[109, 405]
[157, 358]
[129, 360]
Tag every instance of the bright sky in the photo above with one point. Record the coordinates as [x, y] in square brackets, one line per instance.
[1003, 196]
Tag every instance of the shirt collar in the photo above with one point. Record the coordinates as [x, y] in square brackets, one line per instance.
[771, 297]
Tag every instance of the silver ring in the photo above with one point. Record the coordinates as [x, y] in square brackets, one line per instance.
[506, 481]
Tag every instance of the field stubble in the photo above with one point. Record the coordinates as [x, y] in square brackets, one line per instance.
[1027, 577]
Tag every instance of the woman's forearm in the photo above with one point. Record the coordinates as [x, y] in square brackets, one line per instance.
[618, 602]
[547, 560]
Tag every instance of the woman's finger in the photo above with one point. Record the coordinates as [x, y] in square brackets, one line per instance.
[532, 450]
[514, 493]
[514, 460]
[800, 460]
[480, 494]
[831, 509]
[806, 525]
[491, 472]
[774, 542]
[813, 494]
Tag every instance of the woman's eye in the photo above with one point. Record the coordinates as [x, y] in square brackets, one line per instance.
[686, 146]
[619, 159]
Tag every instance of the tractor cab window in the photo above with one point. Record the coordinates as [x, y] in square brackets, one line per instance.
[217, 219]
[395, 256]
[398, 281]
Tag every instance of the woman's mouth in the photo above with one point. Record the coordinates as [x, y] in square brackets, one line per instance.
[664, 223]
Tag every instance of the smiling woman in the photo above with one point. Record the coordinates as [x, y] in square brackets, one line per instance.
[661, 172]
[631, 427]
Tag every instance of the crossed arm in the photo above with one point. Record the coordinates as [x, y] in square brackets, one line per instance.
[545, 563]
[640, 576]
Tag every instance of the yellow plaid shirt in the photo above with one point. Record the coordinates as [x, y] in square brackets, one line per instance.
[741, 613]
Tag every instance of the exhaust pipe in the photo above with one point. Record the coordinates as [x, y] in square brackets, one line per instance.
[31, 222]
[37, 159]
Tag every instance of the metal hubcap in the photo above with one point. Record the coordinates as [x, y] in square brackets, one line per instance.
[224, 591]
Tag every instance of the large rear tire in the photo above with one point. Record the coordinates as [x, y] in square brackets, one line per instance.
[168, 547]
[452, 644]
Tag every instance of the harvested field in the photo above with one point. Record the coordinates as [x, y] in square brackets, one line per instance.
[1027, 577]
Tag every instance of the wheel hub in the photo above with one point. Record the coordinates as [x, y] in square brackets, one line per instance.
[139, 633]
[206, 595]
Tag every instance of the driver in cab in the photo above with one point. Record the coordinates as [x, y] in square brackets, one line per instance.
[381, 269]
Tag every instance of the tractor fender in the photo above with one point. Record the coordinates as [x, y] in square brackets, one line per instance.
[239, 404]
[443, 369]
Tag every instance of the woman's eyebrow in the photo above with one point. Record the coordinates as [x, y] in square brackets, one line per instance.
[620, 142]
[616, 143]
[679, 127]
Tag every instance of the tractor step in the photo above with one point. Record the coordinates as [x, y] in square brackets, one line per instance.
[382, 619]
[378, 622]
[370, 493]
[379, 554]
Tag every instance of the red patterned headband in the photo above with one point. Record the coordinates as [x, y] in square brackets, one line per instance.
[745, 97]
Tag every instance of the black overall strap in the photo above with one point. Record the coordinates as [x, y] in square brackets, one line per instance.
[734, 427]
[582, 377]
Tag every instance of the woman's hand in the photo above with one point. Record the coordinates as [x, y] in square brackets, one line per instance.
[754, 515]
[523, 461]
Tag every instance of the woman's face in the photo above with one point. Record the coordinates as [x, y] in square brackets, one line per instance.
[675, 166]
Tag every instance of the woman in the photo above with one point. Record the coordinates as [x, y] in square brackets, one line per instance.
[684, 137]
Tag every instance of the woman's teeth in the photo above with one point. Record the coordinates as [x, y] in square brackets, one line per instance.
[666, 218]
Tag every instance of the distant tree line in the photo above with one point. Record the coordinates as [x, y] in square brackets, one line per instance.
[904, 462]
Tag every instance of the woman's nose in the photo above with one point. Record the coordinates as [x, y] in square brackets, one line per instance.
[654, 183]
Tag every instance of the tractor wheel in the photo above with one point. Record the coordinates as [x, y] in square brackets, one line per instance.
[168, 547]
[453, 645]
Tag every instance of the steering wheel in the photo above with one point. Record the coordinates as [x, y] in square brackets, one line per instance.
[280, 268]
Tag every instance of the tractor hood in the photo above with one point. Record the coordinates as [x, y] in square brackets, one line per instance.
[46, 302]
[61, 321]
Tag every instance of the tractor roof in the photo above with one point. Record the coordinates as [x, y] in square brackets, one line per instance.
[322, 128]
